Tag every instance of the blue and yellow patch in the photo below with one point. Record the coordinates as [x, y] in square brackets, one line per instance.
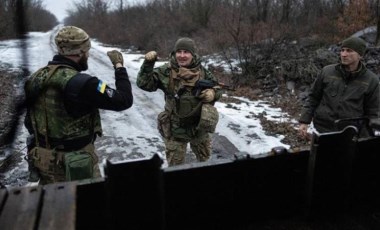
[101, 87]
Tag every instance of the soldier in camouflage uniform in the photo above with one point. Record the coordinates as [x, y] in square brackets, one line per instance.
[179, 123]
[62, 110]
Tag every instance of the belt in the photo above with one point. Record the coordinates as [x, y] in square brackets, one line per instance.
[66, 145]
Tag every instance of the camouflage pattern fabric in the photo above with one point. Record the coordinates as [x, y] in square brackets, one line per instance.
[44, 95]
[71, 40]
[183, 107]
[151, 79]
[51, 164]
[209, 118]
[175, 150]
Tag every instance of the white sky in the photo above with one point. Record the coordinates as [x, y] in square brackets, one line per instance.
[59, 7]
[132, 134]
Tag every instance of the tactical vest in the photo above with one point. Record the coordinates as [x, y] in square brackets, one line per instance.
[183, 103]
[52, 124]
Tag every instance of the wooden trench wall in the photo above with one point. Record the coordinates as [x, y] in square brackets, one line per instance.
[338, 175]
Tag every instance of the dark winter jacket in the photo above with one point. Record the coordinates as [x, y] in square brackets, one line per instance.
[338, 94]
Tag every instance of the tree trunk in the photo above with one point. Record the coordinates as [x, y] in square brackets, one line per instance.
[377, 42]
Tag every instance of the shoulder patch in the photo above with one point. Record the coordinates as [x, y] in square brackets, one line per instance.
[110, 92]
[101, 86]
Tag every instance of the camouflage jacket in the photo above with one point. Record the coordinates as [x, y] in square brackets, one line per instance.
[150, 79]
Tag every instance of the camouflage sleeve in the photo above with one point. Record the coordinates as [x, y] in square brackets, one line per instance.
[146, 79]
[210, 76]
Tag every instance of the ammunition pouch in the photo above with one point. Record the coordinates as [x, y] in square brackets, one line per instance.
[163, 124]
[43, 159]
[78, 165]
[209, 118]
[188, 110]
[73, 165]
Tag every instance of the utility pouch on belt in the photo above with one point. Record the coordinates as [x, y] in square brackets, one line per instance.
[163, 124]
[78, 165]
[43, 159]
[209, 118]
[188, 110]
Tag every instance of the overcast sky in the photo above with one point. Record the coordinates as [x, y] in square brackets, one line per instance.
[58, 8]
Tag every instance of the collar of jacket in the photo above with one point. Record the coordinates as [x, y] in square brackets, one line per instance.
[347, 75]
[62, 60]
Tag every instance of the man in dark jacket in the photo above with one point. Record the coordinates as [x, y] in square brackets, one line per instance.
[182, 121]
[342, 91]
[62, 110]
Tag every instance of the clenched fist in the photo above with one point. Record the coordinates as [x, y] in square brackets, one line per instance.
[151, 56]
[207, 95]
[115, 57]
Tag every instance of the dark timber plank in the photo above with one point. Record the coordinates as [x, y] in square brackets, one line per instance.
[21, 208]
[3, 196]
[59, 206]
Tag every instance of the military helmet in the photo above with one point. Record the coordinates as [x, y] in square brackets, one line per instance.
[71, 40]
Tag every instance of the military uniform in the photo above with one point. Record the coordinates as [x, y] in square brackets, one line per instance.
[63, 117]
[182, 106]
[347, 91]
[338, 94]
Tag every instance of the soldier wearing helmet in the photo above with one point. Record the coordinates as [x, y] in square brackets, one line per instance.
[63, 110]
[185, 111]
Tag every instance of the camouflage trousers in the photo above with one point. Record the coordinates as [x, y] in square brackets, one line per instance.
[176, 150]
[52, 168]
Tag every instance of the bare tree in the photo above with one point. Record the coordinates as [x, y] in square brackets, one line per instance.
[200, 10]
[8, 16]
[262, 9]
[86, 12]
[286, 8]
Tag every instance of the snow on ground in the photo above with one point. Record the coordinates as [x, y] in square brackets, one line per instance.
[132, 134]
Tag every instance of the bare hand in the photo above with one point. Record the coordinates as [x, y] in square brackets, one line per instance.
[303, 131]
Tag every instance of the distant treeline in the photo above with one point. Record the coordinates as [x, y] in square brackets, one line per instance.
[36, 17]
[156, 24]
[232, 28]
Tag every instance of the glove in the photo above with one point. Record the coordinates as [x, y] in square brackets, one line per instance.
[115, 57]
[151, 56]
[207, 95]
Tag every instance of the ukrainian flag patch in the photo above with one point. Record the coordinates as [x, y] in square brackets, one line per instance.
[101, 87]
